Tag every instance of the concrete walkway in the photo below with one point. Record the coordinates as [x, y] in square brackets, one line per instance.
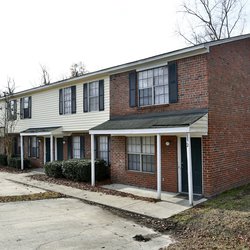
[162, 209]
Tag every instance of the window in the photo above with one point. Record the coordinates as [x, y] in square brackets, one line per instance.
[67, 100]
[141, 152]
[77, 147]
[25, 107]
[153, 86]
[33, 147]
[102, 148]
[93, 96]
[12, 110]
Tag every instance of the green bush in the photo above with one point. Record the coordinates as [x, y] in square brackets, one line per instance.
[80, 170]
[3, 160]
[15, 162]
[54, 169]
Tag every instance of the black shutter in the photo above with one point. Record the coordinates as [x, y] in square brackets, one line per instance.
[69, 147]
[82, 151]
[85, 98]
[15, 110]
[21, 108]
[132, 89]
[30, 102]
[29, 147]
[96, 147]
[101, 95]
[173, 82]
[60, 101]
[73, 99]
[37, 147]
[8, 108]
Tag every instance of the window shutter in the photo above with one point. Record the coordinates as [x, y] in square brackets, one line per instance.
[21, 108]
[132, 89]
[37, 147]
[73, 99]
[8, 110]
[101, 95]
[60, 101]
[96, 147]
[29, 147]
[15, 110]
[82, 151]
[85, 98]
[69, 147]
[30, 102]
[172, 82]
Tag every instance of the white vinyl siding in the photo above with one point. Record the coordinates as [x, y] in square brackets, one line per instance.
[45, 111]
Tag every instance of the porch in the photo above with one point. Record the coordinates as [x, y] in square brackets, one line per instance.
[183, 126]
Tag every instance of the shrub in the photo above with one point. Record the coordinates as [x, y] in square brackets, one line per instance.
[3, 160]
[54, 169]
[15, 162]
[77, 170]
[80, 170]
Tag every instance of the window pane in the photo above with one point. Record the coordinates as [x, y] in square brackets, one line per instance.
[145, 97]
[93, 104]
[134, 162]
[134, 144]
[148, 145]
[148, 163]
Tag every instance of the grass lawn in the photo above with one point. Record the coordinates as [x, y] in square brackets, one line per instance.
[220, 223]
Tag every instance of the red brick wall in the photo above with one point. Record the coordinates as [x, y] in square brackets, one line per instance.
[192, 85]
[120, 174]
[227, 146]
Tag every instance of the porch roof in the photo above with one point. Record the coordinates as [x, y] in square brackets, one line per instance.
[152, 122]
[42, 131]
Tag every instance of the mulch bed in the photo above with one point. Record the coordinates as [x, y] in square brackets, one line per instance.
[32, 197]
[14, 170]
[88, 187]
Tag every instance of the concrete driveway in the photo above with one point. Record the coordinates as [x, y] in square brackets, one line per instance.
[69, 224]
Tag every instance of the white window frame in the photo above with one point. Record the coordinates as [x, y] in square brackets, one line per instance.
[93, 97]
[154, 86]
[141, 152]
[66, 95]
[76, 147]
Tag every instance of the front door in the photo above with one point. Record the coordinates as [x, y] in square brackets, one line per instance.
[47, 149]
[59, 149]
[196, 165]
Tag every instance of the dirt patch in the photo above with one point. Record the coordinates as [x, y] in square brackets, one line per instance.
[86, 186]
[31, 197]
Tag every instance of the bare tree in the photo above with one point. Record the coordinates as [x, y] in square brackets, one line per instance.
[210, 20]
[77, 69]
[45, 78]
[8, 116]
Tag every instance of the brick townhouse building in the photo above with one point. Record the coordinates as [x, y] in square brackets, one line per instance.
[177, 122]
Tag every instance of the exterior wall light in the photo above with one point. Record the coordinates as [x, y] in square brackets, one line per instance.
[167, 143]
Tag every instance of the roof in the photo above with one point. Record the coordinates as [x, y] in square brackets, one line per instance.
[40, 130]
[184, 52]
[153, 120]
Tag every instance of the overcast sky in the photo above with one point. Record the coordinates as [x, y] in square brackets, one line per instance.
[101, 33]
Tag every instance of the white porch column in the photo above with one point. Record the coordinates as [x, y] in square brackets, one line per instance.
[92, 160]
[190, 171]
[21, 142]
[51, 148]
[55, 148]
[158, 166]
[179, 163]
[44, 150]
